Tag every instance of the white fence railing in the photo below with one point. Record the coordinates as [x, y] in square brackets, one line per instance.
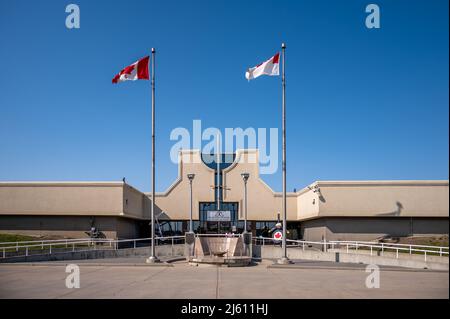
[356, 246]
[219, 235]
[27, 248]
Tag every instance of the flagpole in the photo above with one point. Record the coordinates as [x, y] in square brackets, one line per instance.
[218, 171]
[153, 258]
[218, 178]
[284, 259]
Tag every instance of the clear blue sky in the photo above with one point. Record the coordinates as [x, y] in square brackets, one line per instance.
[362, 104]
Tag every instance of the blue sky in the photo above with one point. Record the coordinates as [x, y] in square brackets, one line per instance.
[361, 104]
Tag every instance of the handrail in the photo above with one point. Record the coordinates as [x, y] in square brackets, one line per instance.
[355, 244]
[48, 244]
[48, 240]
[359, 243]
[218, 235]
[397, 248]
[391, 244]
[78, 240]
[113, 243]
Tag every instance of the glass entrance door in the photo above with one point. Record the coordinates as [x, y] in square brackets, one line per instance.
[211, 224]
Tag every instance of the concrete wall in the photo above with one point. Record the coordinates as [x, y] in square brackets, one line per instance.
[384, 198]
[320, 199]
[55, 198]
[69, 226]
[370, 228]
[127, 228]
[160, 251]
[73, 198]
[263, 202]
[174, 202]
[307, 204]
[135, 203]
[272, 252]
[68, 208]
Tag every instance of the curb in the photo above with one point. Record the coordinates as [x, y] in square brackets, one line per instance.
[277, 266]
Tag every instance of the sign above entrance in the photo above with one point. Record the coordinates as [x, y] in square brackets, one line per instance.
[218, 216]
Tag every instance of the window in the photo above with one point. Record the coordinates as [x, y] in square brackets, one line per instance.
[205, 226]
[263, 228]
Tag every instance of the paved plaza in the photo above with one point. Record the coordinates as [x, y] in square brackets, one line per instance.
[132, 278]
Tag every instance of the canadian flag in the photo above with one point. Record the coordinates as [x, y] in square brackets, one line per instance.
[278, 235]
[136, 71]
[269, 67]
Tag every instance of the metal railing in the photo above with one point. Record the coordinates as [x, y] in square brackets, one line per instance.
[358, 246]
[219, 235]
[44, 247]
[41, 247]
[383, 248]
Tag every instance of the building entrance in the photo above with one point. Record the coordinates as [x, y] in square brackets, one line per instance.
[218, 221]
[218, 217]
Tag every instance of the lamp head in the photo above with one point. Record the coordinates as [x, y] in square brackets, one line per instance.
[245, 176]
[190, 176]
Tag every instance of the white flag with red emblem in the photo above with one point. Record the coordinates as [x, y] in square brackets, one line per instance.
[269, 67]
[136, 71]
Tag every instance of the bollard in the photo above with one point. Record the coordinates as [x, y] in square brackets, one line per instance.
[172, 247]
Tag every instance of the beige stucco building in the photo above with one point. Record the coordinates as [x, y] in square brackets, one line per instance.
[340, 210]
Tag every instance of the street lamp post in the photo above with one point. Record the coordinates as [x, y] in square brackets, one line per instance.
[191, 178]
[246, 235]
[190, 236]
[245, 177]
